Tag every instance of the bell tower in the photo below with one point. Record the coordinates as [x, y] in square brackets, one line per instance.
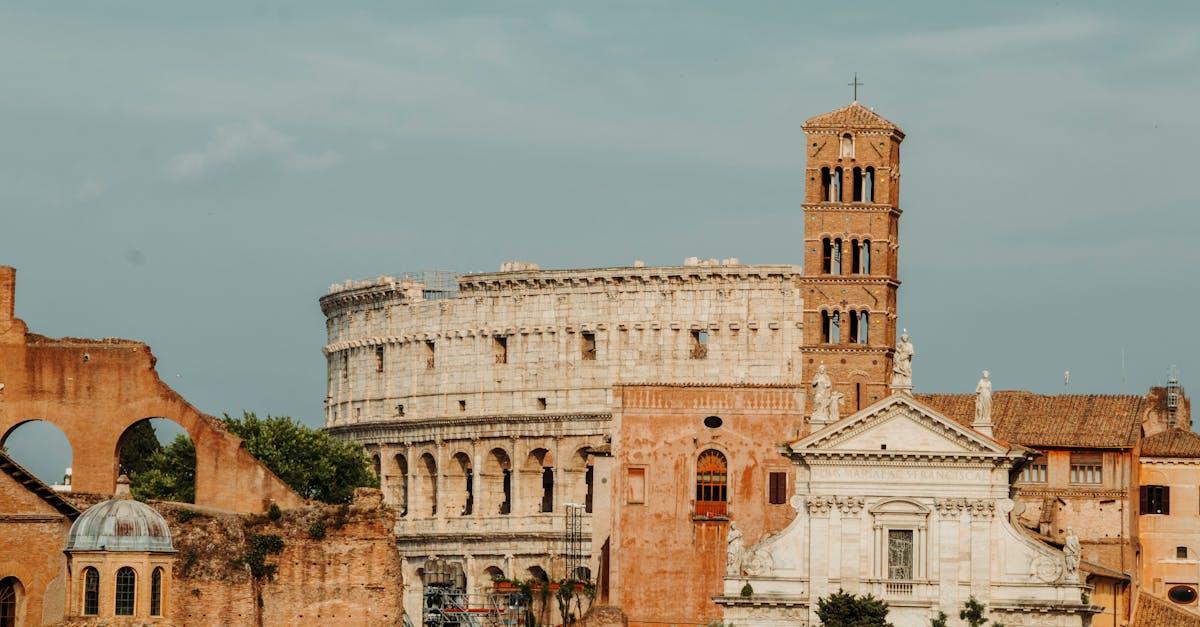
[851, 245]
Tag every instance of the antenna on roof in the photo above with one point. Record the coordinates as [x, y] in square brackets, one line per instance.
[1172, 396]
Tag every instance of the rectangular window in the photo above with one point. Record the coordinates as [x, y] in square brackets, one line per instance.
[430, 355]
[462, 406]
[636, 485]
[778, 488]
[500, 349]
[1156, 499]
[699, 344]
[346, 365]
[1181, 552]
[1035, 471]
[1086, 468]
[378, 359]
[588, 346]
[900, 554]
[541, 402]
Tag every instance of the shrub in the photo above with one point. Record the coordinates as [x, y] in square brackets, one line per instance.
[316, 531]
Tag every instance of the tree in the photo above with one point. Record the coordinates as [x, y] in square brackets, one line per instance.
[167, 474]
[939, 621]
[314, 463]
[975, 613]
[842, 609]
[136, 446]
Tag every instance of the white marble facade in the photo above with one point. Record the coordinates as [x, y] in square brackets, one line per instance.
[903, 503]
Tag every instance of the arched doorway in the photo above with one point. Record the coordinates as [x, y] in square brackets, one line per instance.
[537, 480]
[497, 483]
[43, 449]
[12, 599]
[159, 457]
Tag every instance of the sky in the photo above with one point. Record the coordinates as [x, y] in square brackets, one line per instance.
[196, 175]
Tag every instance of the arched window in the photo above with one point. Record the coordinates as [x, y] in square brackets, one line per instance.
[835, 194]
[91, 591]
[837, 257]
[126, 591]
[582, 573]
[864, 327]
[826, 255]
[847, 146]
[858, 185]
[156, 592]
[826, 181]
[865, 257]
[9, 592]
[831, 327]
[711, 491]
[855, 257]
[854, 327]
[869, 185]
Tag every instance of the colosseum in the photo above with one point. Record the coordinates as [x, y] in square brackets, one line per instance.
[484, 399]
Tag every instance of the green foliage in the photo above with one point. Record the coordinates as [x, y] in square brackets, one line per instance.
[1084, 598]
[341, 517]
[168, 474]
[747, 590]
[274, 513]
[314, 463]
[316, 531]
[138, 444]
[939, 621]
[975, 613]
[842, 609]
[256, 558]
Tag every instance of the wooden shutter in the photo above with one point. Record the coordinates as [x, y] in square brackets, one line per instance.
[778, 488]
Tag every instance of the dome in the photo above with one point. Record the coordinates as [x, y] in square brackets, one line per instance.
[120, 524]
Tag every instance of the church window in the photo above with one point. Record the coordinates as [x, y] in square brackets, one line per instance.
[865, 257]
[1183, 595]
[857, 186]
[126, 591]
[430, 355]
[826, 185]
[831, 323]
[589, 346]
[699, 344]
[1181, 552]
[1155, 499]
[864, 327]
[847, 146]
[378, 359]
[91, 591]
[711, 486]
[826, 255]
[1086, 468]
[500, 349]
[837, 256]
[8, 602]
[835, 193]
[636, 485]
[777, 486]
[900, 554]
[868, 185]
[1035, 471]
[156, 592]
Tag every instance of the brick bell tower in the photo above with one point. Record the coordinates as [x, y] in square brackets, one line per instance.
[851, 245]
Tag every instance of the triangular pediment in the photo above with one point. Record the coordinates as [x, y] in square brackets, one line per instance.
[900, 424]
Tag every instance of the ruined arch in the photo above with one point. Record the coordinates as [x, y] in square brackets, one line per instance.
[43, 447]
[427, 485]
[161, 428]
[460, 489]
[397, 484]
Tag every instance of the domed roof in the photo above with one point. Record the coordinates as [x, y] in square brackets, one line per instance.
[120, 524]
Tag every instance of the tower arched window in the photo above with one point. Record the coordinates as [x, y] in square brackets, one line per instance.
[91, 591]
[868, 185]
[126, 593]
[835, 192]
[847, 146]
[712, 473]
[865, 257]
[864, 327]
[837, 256]
[855, 257]
[826, 182]
[831, 322]
[156, 592]
[857, 188]
[826, 255]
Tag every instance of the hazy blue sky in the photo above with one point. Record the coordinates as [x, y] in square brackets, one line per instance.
[196, 175]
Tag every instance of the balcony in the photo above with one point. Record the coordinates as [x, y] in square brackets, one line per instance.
[712, 509]
[902, 590]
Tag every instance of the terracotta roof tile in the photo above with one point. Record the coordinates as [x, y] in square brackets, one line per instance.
[1173, 442]
[1066, 420]
[1155, 612]
[851, 116]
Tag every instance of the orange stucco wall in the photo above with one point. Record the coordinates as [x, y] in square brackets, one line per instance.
[666, 563]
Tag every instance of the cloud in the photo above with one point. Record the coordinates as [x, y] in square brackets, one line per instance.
[247, 142]
[92, 187]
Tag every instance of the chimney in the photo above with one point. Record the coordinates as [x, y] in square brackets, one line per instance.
[8, 289]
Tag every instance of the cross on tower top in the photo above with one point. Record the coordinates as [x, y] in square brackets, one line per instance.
[855, 84]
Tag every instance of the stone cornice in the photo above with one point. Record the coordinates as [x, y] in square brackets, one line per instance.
[424, 538]
[847, 279]
[855, 207]
[1170, 461]
[847, 349]
[831, 457]
[470, 284]
[426, 429]
[1076, 492]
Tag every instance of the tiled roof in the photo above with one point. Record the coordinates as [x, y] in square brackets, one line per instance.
[1174, 442]
[1155, 612]
[36, 486]
[1065, 420]
[851, 116]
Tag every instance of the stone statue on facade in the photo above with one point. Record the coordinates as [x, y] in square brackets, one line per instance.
[983, 400]
[902, 365]
[822, 395]
[1072, 553]
[835, 406]
[733, 551]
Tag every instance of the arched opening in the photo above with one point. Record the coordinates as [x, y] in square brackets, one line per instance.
[160, 460]
[826, 255]
[869, 184]
[493, 573]
[375, 465]
[126, 591]
[711, 484]
[12, 598]
[846, 146]
[826, 180]
[831, 327]
[156, 583]
[837, 256]
[855, 257]
[428, 483]
[575, 478]
[582, 573]
[835, 194]
[460, 497]
[864, 327]
[497, 483]
[865, 257]
[857, 187]
[538, 479]
[398, 485]
[537, 573]
[854, 327]
[91, 591]
[43, 449]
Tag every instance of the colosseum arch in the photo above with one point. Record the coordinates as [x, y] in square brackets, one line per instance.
[116, 381]
[575, 478]
[495, 498]
[537, 481]
[459, 488]
[427, 486]
[395, 484]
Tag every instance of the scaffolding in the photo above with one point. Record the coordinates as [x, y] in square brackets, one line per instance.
[574, 555]
[439, 284]
[446, 603]
[1174, 391]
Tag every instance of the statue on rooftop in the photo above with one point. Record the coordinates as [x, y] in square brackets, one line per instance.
[1072, 553]
[983, 400]
[733, 551]
[902, 365]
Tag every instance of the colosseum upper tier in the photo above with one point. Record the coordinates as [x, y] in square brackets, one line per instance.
[483, 401]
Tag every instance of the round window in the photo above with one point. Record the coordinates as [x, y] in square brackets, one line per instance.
[712, 422]
[1184, 595]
